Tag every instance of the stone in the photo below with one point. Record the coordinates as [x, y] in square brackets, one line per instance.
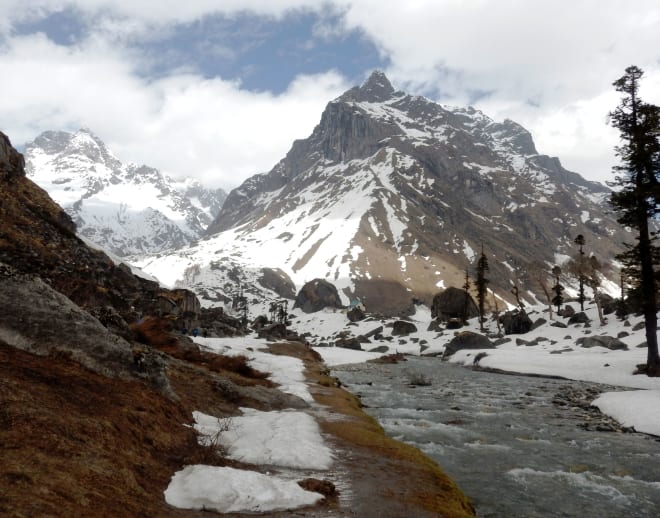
[317, 295]
[567, 311]
[579, 318]
[467, 340]
[561, 325]
[516, 322]
[609, 342]
[355, 314]
[403, 328]
[453, 303]
[349, 343]
[276, 280]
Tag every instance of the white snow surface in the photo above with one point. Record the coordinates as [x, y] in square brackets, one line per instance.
[639, 409]
[229, 490]
[285, 438]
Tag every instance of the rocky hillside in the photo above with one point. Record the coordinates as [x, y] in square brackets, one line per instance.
[392, 197]
[122, 207]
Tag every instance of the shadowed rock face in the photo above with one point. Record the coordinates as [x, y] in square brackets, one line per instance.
[317, 295]
[453, 303]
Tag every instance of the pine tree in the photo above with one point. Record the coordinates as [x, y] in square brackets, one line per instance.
[636, 196]
[580, 266]
[481, 284]
[466, 288]
[558, 299]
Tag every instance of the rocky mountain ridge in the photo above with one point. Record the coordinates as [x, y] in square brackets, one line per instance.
[391, 198]
[122, 207]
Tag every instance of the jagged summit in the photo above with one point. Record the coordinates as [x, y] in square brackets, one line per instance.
[377, 88]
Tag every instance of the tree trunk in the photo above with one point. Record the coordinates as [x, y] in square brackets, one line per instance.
[598, 306]
[648, 293]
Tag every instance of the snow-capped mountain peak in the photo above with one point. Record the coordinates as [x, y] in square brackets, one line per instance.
[125, 208]
[392, 194]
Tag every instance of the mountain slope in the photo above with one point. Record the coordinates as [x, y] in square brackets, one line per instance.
[125, 208]
[392, 196]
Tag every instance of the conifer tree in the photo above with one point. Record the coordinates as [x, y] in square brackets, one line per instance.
[636, 196]
[579, 267]
[481, 284]
[558, 299]
[466, 288]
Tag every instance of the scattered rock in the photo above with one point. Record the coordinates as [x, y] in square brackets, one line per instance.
[349, 343]
[453, 303]
[609, 342]
[317, 295]
[355, 314]
[561, 325]
[579, 318]
[516, 322]
[403, 328]
[567, 311]
[467, 340]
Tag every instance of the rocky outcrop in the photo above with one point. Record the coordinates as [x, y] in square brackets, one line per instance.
[467, 340]
[403, 328]
[11, 161]
[39, 320]
[276, 280]
[516, 322]
[609, 342]
[453, 303]
[317, 295]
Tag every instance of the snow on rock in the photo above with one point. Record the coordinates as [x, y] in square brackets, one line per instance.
[228, 490]
[286, 371]
[281, 438]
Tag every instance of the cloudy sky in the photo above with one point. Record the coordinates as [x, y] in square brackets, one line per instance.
[219, 89]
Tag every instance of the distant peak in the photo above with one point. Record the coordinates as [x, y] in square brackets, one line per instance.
[377, 88]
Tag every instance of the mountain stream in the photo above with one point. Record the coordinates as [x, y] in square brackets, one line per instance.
[518, 446]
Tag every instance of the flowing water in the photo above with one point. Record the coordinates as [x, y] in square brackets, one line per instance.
[512, 445]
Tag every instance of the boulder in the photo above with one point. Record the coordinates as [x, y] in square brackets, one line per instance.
[579, 318]
[453, 303]
[355, 314]
[516, 322]
[349, 343]
[403, 328]
[276, 280]
[467, 340]
[566, 312]
[435, 325]
[609, 342]
[317, 295]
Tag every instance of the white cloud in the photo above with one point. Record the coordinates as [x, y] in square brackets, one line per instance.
[546, 65]
[183, 124]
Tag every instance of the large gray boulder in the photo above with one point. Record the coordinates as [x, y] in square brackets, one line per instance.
[516, 322]
[453, 303]
[42, 321]
[609, 342]
[317, 295]
[403, 328]
[467, 340]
